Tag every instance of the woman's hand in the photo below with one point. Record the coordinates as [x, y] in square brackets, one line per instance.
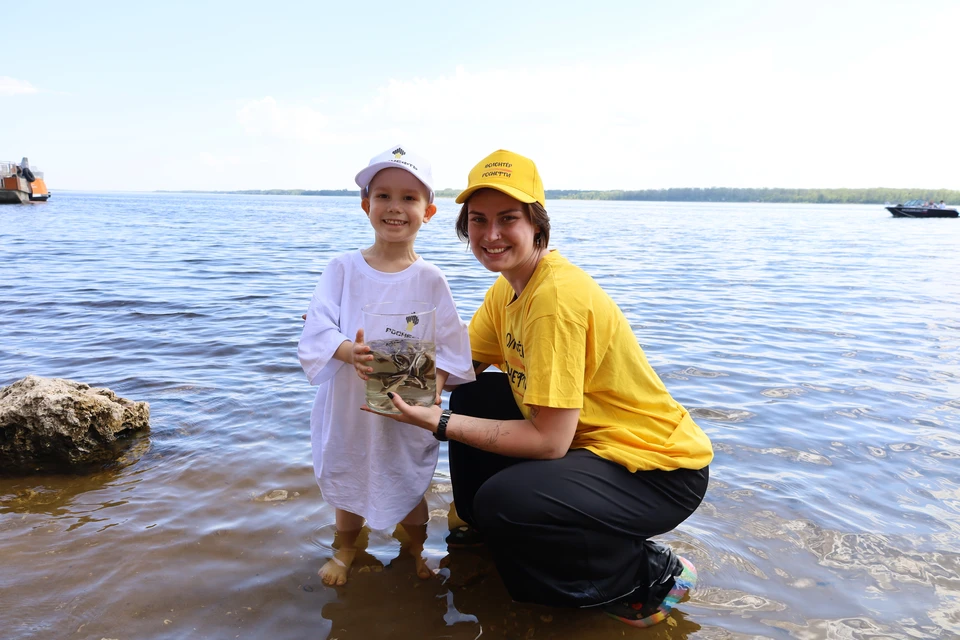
[424, 417]
[361, 355]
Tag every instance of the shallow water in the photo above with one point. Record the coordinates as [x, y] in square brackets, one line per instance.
[819, 346]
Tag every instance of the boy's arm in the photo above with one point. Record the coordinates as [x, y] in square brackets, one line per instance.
[442, 383]
[478, 368]
[453, 339]
[321, 337]
[344, 352]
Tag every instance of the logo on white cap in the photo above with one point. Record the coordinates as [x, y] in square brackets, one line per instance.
[401, 159]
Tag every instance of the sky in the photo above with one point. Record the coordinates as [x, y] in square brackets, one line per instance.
[601, 95]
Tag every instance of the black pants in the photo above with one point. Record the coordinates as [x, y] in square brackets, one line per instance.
[571, 532]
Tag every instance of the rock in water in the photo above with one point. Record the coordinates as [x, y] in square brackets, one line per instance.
[52, 424]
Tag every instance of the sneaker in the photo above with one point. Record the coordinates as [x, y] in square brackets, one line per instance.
[464, 537]
[647, 614]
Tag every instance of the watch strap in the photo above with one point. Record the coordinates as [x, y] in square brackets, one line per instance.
[441, 432]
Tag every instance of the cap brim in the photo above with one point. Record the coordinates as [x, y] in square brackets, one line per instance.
[513, 192]
[364, 177]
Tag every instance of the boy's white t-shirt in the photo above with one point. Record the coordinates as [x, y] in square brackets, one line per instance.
[373, 466]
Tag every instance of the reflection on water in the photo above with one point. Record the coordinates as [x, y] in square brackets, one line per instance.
[818, 346]
[58, 494]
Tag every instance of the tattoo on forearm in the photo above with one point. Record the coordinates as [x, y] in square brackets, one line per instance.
[494, 434]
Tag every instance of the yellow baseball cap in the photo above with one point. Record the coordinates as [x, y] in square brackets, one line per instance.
[509, 173]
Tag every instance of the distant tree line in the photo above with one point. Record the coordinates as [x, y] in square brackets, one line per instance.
[725, 194]
[876, 195]
[277, 192]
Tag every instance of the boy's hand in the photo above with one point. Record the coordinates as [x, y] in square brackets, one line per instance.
[361, 356]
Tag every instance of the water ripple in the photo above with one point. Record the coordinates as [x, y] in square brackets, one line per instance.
[819, 346]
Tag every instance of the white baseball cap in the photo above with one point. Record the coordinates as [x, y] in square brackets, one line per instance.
[397, 157]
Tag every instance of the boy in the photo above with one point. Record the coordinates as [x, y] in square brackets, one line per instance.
[369, 467]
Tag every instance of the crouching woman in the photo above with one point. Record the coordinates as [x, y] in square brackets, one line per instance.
[572, 456]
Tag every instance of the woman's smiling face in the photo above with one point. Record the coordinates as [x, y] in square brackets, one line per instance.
[501, 233]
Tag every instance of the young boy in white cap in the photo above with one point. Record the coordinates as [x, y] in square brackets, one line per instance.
[368, 466]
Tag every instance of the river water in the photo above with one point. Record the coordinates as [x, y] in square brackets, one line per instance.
[818, 346]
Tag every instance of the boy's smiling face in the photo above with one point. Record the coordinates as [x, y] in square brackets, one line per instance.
[397, 204]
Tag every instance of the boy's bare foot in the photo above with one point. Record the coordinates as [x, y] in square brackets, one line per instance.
[416, 536]
[334, 573]
[423, 571]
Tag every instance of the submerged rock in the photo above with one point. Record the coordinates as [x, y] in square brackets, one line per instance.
[53, 424]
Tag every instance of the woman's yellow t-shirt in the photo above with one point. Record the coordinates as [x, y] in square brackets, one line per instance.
[564, 343]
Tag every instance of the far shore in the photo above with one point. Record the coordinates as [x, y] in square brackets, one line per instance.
[878, 195]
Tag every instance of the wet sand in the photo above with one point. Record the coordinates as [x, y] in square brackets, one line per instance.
[247, 572]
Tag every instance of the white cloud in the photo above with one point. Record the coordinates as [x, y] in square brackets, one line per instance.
[12, 87]
[267, 117]
[753, 117]
[750, 118]
[629, 125]
[640, 100]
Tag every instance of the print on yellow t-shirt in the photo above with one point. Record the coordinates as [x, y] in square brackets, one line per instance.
[514, 368]
[564, 343]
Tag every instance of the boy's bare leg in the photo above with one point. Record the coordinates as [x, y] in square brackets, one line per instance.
[415, 524]
[334, 572]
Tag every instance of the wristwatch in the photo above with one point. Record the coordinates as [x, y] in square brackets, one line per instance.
[441, 432]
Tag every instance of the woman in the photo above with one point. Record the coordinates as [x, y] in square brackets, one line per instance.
[575, 455]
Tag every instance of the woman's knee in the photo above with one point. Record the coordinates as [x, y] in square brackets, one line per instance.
[489, 509]
[502, 505]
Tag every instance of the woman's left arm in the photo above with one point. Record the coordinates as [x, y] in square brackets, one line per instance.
[546, 435]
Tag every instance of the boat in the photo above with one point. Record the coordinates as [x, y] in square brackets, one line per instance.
[919, 209]
[19, 184]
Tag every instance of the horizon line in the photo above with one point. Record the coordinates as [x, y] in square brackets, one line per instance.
[456, 191]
